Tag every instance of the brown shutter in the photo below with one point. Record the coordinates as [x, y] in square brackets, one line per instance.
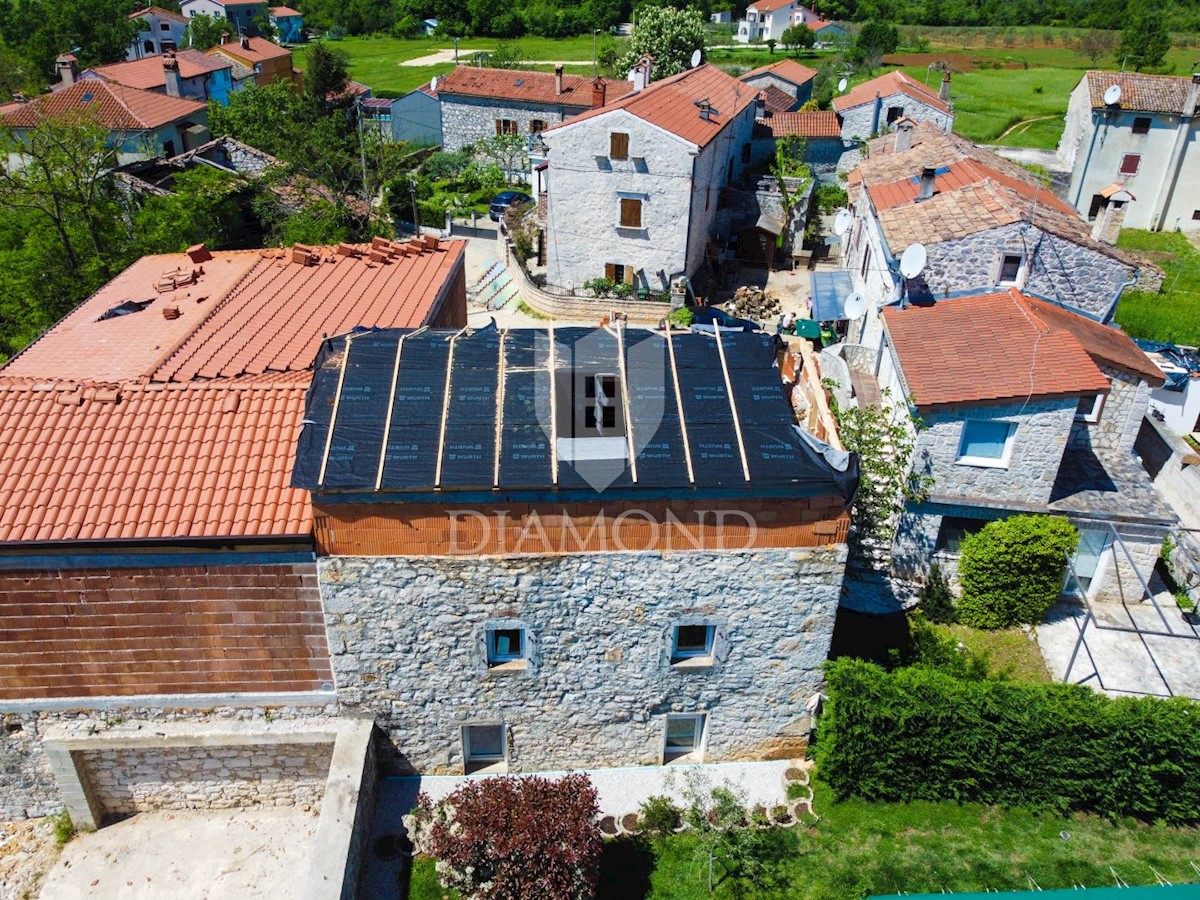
[618, 145]
[629, 274]
[498, 127]
[631, 213]
[610, 271]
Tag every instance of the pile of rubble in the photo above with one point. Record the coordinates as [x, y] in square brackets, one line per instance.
[751, 302]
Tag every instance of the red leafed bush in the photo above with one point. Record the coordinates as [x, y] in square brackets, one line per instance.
[515, 838]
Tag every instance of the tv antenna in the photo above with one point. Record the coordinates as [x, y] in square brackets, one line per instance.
[1112, 95]
[841, 222]
[855, 306]
[913, 260]
[696, 55]
[842, 85]
[433, 85]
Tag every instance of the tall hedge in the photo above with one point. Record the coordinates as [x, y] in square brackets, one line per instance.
[920, 734]
[1011, 571]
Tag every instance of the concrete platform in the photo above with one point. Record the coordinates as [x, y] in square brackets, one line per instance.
[210, 855]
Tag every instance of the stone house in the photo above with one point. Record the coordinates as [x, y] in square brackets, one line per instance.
[820, 130]
[160, 30]
[787, 76]
[156, 566]
[985, 223]
[182, 73]
[633, 186]
[1025, 407]
[269, 62]
[769, 19]
[569, 548]
[874, 107]
[479, 103]
[1128, 158]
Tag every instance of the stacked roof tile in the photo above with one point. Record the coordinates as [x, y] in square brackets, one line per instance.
[113, 106]
[532, 87]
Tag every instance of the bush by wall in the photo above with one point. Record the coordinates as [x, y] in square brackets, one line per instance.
[920, 734]
[1011, 571]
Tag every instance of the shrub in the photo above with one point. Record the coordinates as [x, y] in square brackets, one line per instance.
[515, 837]
[601, 287]
[921, 734]
[681, 318]
[937, 600]
[1011, 571]
[660, 816]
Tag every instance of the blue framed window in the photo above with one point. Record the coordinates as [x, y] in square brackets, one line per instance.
[986, 442]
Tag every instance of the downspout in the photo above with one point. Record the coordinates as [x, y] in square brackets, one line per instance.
[687, 241]
[1088, 160]
[875, 114]
[1182, 133]
[1112, 307]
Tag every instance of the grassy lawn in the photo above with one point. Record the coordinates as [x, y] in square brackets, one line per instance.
[1009, 651]
[879, 848]
[1173, 315]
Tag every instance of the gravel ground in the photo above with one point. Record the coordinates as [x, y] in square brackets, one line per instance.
[27, 851]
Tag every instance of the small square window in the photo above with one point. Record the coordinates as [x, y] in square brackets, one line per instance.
[1010, 268]
[894, 113]
[164, 26]
[986, 443]
[685, 737]
[483, 746]
[692, 641]
[1141, 125]
[1196, 215]
[618, 145]
[1089, 409]
[505, 645]
[506, 126]
[536, 126]
[1130, 163]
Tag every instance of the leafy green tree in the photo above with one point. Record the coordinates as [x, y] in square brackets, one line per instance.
[205, 31]
[505, 56]
[874, 41]
[204, 206]
[264, 27]
[326, 72]
[1096, 44]
[97, 31]
[670, 35]
[798, 37]
[771, 44]
[1145, 40]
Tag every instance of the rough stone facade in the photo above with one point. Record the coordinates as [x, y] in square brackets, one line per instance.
[1120, 417]
[863, 121]
[408, 639]
[222, 777]
[466, 120]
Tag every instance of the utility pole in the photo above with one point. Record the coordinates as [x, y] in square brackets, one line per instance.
[595, 57]
[456, 51]
[362, 152]
[412, 187]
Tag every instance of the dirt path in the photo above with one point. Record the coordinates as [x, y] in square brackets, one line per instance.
[1024, 123]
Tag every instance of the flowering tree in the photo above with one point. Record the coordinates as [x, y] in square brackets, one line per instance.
[670, 35]
[513, 838]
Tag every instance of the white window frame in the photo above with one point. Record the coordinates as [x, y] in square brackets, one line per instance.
[499, 659]
[475, 763]
[1016, 279]
[1092, 417]
[694, 755]
[984, 461]
[687, 655]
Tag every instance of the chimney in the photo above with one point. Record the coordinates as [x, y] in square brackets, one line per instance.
[904, 134]
[599, 91]
[944, 92]
[224, 37]
[928, 175]
[642, 72]
[171, 75]
[68, 69]
[245, 42]
[760, 106]
[558, 70]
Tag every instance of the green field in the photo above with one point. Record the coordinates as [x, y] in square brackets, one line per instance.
[1173, 315]
[879, 848]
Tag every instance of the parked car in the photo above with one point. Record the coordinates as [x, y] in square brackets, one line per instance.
[505, 201]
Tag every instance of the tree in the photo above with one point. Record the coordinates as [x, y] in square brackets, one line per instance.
[205, 31]
[1145, 40]
[798, 37]
[1096, 44]
[508, 151]
[505, 56]
[501, 838]
[875, 40]
[325, 73]
[771, 44]
[670, 35]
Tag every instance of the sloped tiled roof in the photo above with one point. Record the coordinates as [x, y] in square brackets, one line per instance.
[776, 100]
[260, 50]
[895, 82]
[1143, 93]
[160, 12]
[1105, 344]
[670, 104]
[986, 349]
[114, 106]
[532, 87]
[147, 72]
[765, 6]
[787, 69]
[821, 123]
[284, 12]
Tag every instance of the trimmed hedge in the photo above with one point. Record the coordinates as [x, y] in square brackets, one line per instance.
[920, 734]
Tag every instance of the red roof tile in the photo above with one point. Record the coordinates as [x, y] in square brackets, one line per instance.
[787, 69]
[260, 50]
[671, 104]
[1105, 344]
[1142, 93]
[895, 82]
[114, 106]
[147, 72]
[532, 87]
[284, 12]
[776, 100]
[822, 123]
[764, 6]
[990, 348]
[160, 12]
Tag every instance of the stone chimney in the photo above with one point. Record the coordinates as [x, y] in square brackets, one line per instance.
[642, 73]
[174, 83]
[1110, 218]
[558, 70]
[68, 69]
[928, 176]
[245, 42]
[599, 92]
[944, 92]
[224, 37]
[904, 134]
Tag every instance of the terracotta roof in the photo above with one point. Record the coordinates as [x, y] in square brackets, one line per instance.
[377, 103]
[102, 462]
[1144, 93]
[764, 6]
[532, 87]
[284, 12]
[160, 12]
[822, 24]
[247, 312]
[787, 69]
[822, 123]
[776, 100]
[113, 106]
[671, 104]
[260, 50]
[1105, 344]
[147, 72]
[990, 348]
[895, 82]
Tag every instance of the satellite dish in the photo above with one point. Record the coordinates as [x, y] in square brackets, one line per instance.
[842, 85]
[912, 261]
[841, 222]
[855, 306]
[433, 84]
[695, 58]
[1112, 95]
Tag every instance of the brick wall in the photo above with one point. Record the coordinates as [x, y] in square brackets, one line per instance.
[166, 630]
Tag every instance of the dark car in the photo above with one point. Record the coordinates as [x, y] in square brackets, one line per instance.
[505, 201]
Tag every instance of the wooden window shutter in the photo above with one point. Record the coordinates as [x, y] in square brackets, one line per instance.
[499, 127]
[631, 213]
[610, 271]
[618, 145]
[629, 274]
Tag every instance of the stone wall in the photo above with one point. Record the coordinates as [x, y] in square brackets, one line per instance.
[466, 120]
[219, 777]
[1120, 418]
[861, 122]
[408, 639]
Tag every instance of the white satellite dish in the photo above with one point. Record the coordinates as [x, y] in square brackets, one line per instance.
[433, 84]
[1112, 95]
[912, 261]
[855, 306]
[841, 222]
[695, 58]
[842, 85]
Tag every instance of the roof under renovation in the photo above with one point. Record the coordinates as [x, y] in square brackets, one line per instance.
[568, 409]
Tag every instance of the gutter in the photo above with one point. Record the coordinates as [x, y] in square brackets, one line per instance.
[1112, 307]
